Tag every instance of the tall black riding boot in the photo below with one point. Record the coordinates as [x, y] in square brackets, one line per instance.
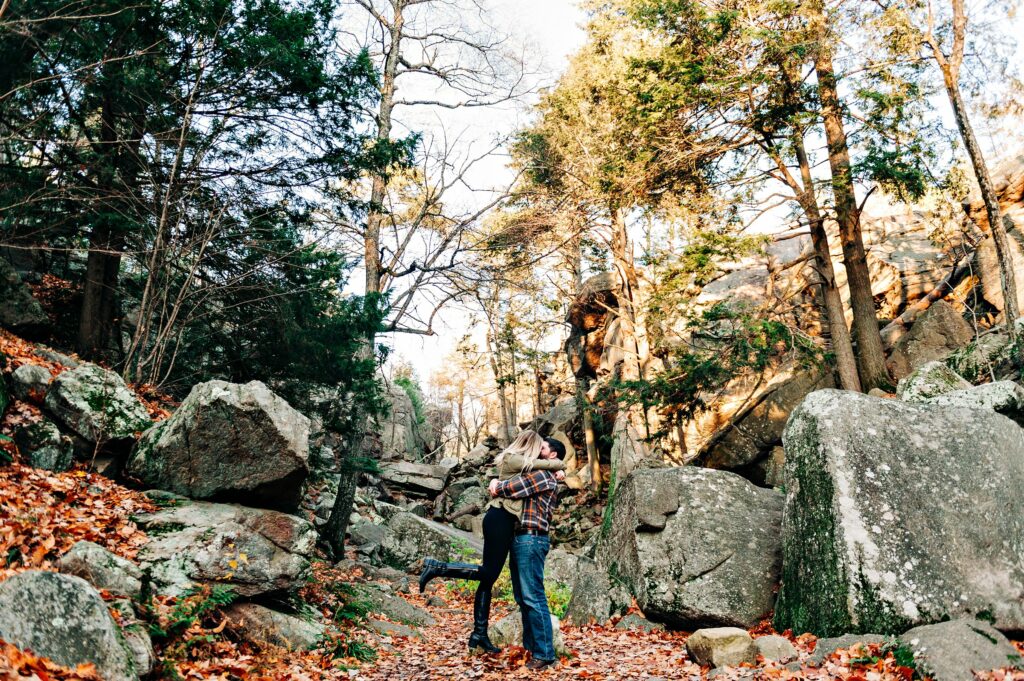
[478, 640]
[435, 568]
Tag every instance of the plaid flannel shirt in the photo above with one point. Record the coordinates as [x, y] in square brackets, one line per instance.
[537, 489]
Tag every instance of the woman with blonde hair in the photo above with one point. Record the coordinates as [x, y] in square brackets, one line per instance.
[522, 456]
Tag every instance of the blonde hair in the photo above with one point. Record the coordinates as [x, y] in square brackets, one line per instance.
[527, 445]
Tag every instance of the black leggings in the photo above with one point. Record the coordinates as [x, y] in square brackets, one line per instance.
[499, 530]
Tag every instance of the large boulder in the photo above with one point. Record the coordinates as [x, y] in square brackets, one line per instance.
[399, 437]
[95, 403]
[898, 515]
[254, 551]
[411, 538]
[934, 336]
[228, 442]
[595, 595]
[929, 380]
[695, 546]
[415, 478]
[64, 619]
[954, 651]
[18, 309]
[986, 358]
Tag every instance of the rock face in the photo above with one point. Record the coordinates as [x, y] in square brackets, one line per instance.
[721, 647]
[695, 546]
[594, 595]
[96, 404]
[416, 478]
[929, 380]
[44, 446]
[262, 625]
[1002, 397]
[228, 442]
[953, 651]
[63, 618]
[895, 517]
[252, 550]
[399, 436]
[934, 336]
[18, 309]
[102, 569]
[410, 538]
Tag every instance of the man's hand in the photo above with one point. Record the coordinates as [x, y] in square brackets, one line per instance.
[560, 476]
[493, 488]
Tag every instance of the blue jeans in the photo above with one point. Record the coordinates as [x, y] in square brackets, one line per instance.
[527, 567]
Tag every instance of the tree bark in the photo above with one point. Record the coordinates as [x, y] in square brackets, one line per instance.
[870, 352]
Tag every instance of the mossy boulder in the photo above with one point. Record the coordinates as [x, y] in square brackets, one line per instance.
[44, 446]
[102, 569]
[899, 515]
[64, 619]
[956, 650]
[410, 538]
[695, 546]
[929, 380]
[1002, 397]
[96, 404]
[228, 442]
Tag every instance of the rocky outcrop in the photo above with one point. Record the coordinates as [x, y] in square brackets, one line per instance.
[96, 404]
[898, 515]
[64, 619]
[935, 335]
[929, 380]
[228, 442]
[695, 546]
[18, 309]
[254, 551]
[103, 569]
[1002, 397]
[398, 429]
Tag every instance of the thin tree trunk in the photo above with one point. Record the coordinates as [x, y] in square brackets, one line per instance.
[870, 351]
[842, 345]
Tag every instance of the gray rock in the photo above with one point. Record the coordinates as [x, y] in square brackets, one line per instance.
[228, 442]
[775, 648]
[44, 446]
[637, 623]
[695, 546]
[386, 628]
[895, 517]
[934, 336]
[30, 380]
[1002, 397]
[262, 625]
[102, 569]
[415, 478]
[63, 618]
[721, 647]
[953, 651]
[595, 596]
[395, 608]
[986, 358]
[399, 436]
[96, 404]
[18, 309]
[411, 538]
[929, 380]
[508, 631]
[252, 550]
[827, 646]
[437, 602]
[560, 566]
[136, 636]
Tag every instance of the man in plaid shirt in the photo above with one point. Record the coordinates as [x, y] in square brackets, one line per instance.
[538, 490]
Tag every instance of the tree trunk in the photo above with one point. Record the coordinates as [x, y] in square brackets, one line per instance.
[988, 194]
[870, 352]
[842, 345]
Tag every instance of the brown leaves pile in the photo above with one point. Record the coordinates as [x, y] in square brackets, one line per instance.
[42, 514]
[19, 665]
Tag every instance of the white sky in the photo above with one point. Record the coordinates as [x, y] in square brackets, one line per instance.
[553, 29]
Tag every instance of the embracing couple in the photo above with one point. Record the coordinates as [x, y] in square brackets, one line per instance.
[516, 523]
